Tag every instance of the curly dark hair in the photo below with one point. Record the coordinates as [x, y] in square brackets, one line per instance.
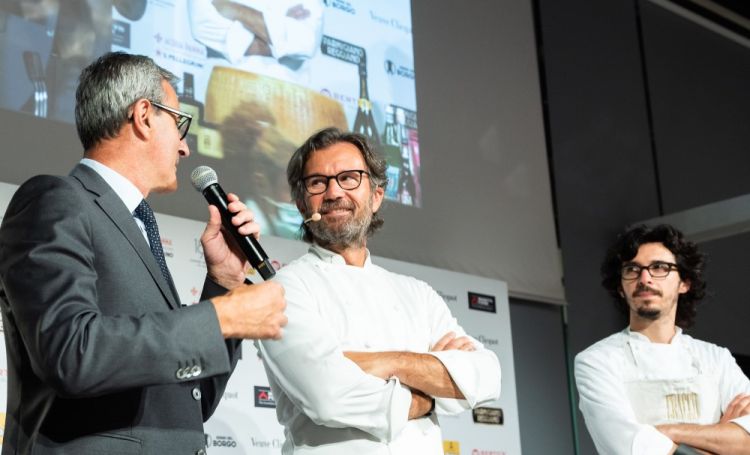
[690, 265]
[324, 138]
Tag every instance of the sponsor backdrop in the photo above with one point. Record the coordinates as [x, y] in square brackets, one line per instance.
[245, 422]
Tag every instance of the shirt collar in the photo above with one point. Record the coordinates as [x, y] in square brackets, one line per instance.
[124, 188]
[330, 257]
[676, 339]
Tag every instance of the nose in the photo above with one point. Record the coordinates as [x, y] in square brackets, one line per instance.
[184, 150]
[645, 276]
[334, 190]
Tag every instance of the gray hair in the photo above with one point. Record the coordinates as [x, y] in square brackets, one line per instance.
[324, 138]
[108, 87]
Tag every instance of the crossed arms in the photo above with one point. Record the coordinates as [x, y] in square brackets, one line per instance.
[376, 392]
[615, 429]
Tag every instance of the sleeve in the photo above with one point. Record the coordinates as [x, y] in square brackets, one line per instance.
[476, 373]
[227, 37]
[733, 382]
[609, 417]
[48, 269]
[331, 390]
[290, 37]
[212, 388]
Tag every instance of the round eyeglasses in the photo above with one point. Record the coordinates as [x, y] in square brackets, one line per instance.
[347, 180]
[656, 270]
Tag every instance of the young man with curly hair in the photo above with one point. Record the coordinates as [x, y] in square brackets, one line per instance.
[652, 389]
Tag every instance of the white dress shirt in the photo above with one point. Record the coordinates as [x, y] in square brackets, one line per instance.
[124, 188]
[326, 403]
[608, 372]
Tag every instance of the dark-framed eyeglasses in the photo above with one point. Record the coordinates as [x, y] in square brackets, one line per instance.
[631, 272]
[182, 119]
[347, 180]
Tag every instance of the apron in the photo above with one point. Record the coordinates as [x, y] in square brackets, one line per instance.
[671, 386]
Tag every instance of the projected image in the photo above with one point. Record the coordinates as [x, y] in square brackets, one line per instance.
[259, 76]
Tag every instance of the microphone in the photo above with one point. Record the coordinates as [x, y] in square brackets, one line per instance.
[204, 180]
[314, 217]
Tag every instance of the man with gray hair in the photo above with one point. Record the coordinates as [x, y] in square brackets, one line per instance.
[368, 354]
[102, 357]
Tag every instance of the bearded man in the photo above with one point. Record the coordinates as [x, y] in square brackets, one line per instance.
[652, 389]
[368, 355]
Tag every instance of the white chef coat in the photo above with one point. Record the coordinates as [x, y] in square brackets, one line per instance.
[326, 403]
[297, 39]
[611, 374]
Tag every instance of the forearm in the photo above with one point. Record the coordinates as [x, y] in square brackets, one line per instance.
[422, 372]
[421, 405]
[724, 438]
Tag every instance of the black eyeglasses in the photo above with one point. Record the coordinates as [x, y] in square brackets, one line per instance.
[183, 120]
[347, 180]
[656, 270]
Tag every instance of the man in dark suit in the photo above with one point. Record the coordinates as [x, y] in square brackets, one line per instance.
[102, 358]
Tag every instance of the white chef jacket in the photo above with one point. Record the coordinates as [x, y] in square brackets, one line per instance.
[326, 403]
[604, 370]
[297, 39]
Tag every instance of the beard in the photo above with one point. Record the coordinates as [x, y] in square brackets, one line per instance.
[652, 314]
[342, 234]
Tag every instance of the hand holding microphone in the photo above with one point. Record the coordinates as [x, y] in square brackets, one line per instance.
[205, 180]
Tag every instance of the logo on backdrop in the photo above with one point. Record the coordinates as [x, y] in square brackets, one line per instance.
[390, 22]
[482, 302]
[451, 448]
[488, 341]
[341, 5]
[490, 416]
[447, 297]
[220, 441]
[120, 33]
[394, 69]
[264, 397]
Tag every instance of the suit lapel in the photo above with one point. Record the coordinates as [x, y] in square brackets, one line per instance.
[113, 207]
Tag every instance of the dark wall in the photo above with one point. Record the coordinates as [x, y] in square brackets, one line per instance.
[541, 386]
[647, 115]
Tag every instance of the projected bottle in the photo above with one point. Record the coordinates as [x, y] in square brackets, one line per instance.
[392, 153]
[364, 123]
[201, 138]
[189, 104]
[405, 183]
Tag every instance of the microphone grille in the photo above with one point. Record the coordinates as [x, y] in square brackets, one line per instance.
[202, 177]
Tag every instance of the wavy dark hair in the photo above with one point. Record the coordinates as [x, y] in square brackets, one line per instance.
[325, 138]
[690, 265]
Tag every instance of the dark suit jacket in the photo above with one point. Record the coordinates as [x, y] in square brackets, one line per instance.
[101, 356]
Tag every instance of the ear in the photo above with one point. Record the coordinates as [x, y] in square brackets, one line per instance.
[684, 286]
[141, 118]
[621, 292]
[377, 198]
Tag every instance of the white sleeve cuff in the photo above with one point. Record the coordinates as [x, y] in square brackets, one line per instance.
[399, 409]
[476, 373]
[650, 441]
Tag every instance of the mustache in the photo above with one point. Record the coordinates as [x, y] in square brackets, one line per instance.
[338, 204]
[643, 288]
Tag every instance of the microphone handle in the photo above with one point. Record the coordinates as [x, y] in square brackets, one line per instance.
[249, 245]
